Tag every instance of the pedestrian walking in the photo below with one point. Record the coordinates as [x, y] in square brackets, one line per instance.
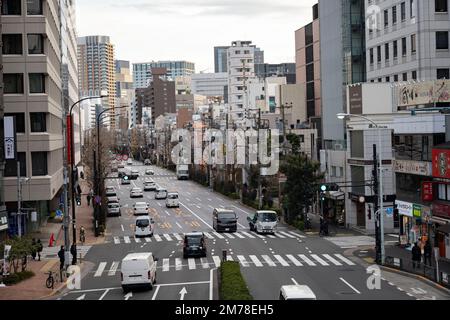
[62, 258]
[88, 197]
[82, 175]
[73, 251]
[33, 249]
[427, 253]
[416, 256]
[40, 247]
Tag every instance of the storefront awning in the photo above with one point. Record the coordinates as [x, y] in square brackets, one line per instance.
[444, 229]
[440, 221]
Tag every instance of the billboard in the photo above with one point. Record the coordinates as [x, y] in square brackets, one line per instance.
[424, 93]
[441, 163]
[356, 101]
[10, 138]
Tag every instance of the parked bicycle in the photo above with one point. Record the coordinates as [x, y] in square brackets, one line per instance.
[50, 282]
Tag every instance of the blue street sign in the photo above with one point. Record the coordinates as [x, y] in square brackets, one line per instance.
[389, 212]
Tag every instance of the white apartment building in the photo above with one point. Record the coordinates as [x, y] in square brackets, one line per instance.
[407, 40]
[40, 85]
[209, 84]
[125, 94]
[142, 72]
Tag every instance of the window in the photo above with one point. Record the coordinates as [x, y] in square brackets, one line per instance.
[379, 54]
[380, 80]
[403, 11]
[443, 74]
[442, 40]
[37, 83]
[441, 5]
[12, 43]
[412, 8]
[34, 7]
[386, 51]
[396, 78]
[386, 18]
[13, 83]
[11, 8]
[38, 122]
[395, 45]
[11, 166]
[357, 144]
[394, 15]
[413, 44]
[404, 47]
[20, 121]
[414, 75]
[388, 79]
[39, 163]
[371, 56]
[444, 192]
[333, 171]
[35, 44]
[405, 76]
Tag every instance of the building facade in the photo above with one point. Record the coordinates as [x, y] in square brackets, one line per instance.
[40, 83]
[142, 72]
[97, 72]
[210, 84]
[125, 94]
[286, 70]
[220, 59]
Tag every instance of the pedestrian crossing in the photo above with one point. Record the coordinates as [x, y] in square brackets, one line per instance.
[209, 235]
[52, 252]
[271, 261]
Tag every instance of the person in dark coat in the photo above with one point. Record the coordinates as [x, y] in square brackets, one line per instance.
[73, 251]
[40, 247]
[427, 253]
[88, 197]
[416, 256]
[62, 258]
[33, 249]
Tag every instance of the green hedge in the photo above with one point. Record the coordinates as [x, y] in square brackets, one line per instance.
[15, 278]
[233, 286]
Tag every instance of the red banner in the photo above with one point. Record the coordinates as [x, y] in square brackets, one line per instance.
[441, 210]
[427, 191]
[441, 163]
[69, 138]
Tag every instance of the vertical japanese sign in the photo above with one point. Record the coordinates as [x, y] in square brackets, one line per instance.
[10, 138]
[427, 191]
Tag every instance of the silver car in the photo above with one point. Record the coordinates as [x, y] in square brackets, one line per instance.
[136, 193]
[140, 209]
[114, 210]
[161, 194]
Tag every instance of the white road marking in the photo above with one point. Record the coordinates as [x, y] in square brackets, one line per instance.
[348, 284]
[159, 204]
[332, 260]
[216, 261]
[100, 269]
[137, 240]
[205, 263]
[259, 236]
[126, 239]
[208, 235]
[347, 261]
[247, 213]
[296, 234]
[198, 206]
[271, 236]
[113, 269]
[229, 235]
[269, 261]
[198, 199]
[211, 207]
[307, 260]
[156, 293]
[178, 264]
[166, 265]
[295, 282]
[237, 234]
[191, 263]
[209, 226]
[168, 238]
[167, 212]
[116, 240]
[281, 260]
[211, 279]
[248, 235]
[179, 225]
[243, 261]
[287, 234]
[123, 229]
[294, 260]
[178, 237]
[256, 261]
[320, 260]
[148, 239]
[157, 238]
[104, 294]
[218, 235]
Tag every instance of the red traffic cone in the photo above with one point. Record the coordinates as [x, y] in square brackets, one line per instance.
[52, 240]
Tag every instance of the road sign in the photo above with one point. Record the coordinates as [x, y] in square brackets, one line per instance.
[389, 212]
[125, 157]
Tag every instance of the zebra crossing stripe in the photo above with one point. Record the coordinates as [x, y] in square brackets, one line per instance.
[256, 261]
[148, 239]
[177, 236]
[100, 269]
[126, 239]
[294, 260]
[333, 260]
[178, 264]
[208, 235]
[347, 261]
[113, 269]
[191, 263]
[271, 236]
[278, 235]
[240, 236]
[216, 261]
[137, 240]
[229, 235]
[296, 234]
[281, 260]
[205, 263]
[320, 260]
[269, 261]
[116, 240]
[287, 234]
[218, 235]
[168, 238]
[259, 236]
[157, 238]
[243, 261]
[230, 258]
[166, 265]
[248, 235]
[307, 260]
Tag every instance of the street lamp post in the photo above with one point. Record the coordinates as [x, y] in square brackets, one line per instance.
[344, 116]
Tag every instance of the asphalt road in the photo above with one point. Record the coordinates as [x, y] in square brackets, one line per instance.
[267, 262]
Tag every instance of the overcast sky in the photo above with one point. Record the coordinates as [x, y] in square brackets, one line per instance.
[146, 30]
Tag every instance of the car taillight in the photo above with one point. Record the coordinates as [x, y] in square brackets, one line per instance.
[149, 275]
[121, 276]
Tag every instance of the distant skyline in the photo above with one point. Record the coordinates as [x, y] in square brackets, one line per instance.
[146, 30]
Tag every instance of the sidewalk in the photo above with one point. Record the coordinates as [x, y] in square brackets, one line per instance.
[334, 230]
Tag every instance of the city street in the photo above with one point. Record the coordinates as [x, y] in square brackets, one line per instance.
[267, 261]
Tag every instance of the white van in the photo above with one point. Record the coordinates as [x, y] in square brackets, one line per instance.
[138, 270]
[297, 292]
[172, 200]
[263, 222]
[144, 227]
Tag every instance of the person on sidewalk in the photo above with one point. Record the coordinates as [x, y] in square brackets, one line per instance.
[62, 258]
[427, 253]
[416, 256]
[33, 249]
[73, 251]
[40, 247]
[88, 197]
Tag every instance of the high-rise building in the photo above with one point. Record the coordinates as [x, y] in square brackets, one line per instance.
[407, 40]
[96, 70]
[40, 84]
[142, 72]
[124, 93]
[210, 84]
[220, 59]
[266, 70]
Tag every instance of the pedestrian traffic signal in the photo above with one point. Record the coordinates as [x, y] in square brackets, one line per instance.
[324, 188]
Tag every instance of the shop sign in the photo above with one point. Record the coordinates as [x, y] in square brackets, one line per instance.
[404, 208]
[417, 211]
[420, 168]
[424, 93]
[441, 163]
[427, 191]
[356, 101]
[441, 210]
[403, 240]
[3, 221]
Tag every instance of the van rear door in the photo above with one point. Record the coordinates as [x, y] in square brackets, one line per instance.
[136, 271]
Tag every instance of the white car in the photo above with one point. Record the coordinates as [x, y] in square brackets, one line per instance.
[140, 208]
[149, 172]
[130, 162]
[172, 200]
[161, 194]
[144, 227]
[149, 186]
[297, 292]
[136, 193]
[138, 270]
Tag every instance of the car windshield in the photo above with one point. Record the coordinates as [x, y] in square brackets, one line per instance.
[135, 190]
[114, 205]
[227, 216]
[173, 196]
[140, 205]
[194, 240]
[144, 223]
[267, 217]
[162, 191]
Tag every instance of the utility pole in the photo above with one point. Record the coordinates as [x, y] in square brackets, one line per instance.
[376, 212]
[19, 201]
[259, 163]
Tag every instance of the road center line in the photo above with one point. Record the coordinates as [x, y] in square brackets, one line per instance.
[156, 292]
[348, 284]
[211, 279]
[196, 216]
[123, 230]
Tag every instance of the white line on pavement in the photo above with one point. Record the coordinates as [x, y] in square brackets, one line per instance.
[320, 260]
[156, 293]
[294, 260]
[348, 284]
[104, 294]
[116, 240]
[334, 261]
[166, 265]
[191, 263]
[177, 236]
[168, 238]
[127, 239]
[209, 226]
[121, 226]
[256, 261]
[100, 269]
[113, 269]
[216, 261]
[295, 282]
[269, 261]
[211, 279]
[178, 264]
[281, 260]
[179, 226]
[347, 261]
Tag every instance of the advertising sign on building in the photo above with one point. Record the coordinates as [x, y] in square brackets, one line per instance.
[427, 191]
[10, 138]
[424, 93]
[404, 208]
[3, 221]
[420, 168]
[417, 211]
[441, 163]
[356, 101]
[441, 210]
